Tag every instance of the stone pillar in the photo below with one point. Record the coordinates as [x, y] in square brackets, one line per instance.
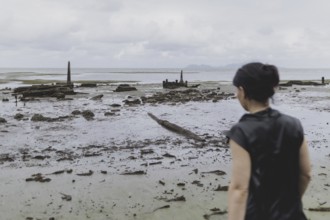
[181, 77]
[322, 79]
[68, 81]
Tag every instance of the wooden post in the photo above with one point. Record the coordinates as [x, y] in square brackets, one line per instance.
[69, 74]
[322, 79]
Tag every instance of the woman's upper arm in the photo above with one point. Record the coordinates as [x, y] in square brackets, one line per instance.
[241, 166]
[304, 161]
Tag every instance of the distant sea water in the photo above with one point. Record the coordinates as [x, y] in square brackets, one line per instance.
[14, 76]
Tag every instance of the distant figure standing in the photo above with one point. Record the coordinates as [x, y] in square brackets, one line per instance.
[270, 167]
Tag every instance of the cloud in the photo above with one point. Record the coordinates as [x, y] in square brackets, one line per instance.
[127, 33]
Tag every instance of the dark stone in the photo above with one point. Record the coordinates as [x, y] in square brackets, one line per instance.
[2, 120]
[39, 117]
[132, 102]
[125, 88]
[88, 85]
[76, 112]
[88, 114]
[109, 113]
[19, 116]
[98, 97]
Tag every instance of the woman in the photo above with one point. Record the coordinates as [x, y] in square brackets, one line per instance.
[271, 167]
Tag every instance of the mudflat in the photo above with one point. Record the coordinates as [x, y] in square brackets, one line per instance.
[99, 155]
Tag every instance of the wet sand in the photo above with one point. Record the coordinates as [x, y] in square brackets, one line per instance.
[124, 165]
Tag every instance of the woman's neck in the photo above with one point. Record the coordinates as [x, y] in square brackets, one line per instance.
[254, 106]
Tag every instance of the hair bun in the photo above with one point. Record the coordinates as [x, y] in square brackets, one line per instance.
[271, 73]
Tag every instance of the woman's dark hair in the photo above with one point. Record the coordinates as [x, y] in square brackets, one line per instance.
[258, 80]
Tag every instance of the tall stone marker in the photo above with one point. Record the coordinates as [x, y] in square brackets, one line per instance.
[68, 81]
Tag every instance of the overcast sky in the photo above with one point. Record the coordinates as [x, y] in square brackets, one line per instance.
[164, 33]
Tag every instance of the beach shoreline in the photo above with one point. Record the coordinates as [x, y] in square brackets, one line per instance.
[126, 166]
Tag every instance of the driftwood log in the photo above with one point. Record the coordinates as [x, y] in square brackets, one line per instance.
[175, 128]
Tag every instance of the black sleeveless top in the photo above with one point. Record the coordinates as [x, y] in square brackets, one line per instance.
[272, 140]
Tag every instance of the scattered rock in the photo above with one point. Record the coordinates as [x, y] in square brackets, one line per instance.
[2, 120]
[109, 113]
[6, 158]
[132, 102]
[88, 115]
[163, 207]
[146, 151]
[221, 188]
[38, 178]
[76, 112]
[217, 172]
[19, 116]
[98, 97]
[66, 197]
[39, 117]
[125, 88]
[115, 105]
[161, 182]
[169, 155]
[320, 209]
[89, 173]
[139, 172]
[207, 216]
[177, 199]
[299, 82]
[88, 85]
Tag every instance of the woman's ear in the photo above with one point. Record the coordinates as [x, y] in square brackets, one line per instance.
[242, 91]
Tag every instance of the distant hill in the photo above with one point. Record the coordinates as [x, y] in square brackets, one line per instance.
[208, 67]
[200, 67]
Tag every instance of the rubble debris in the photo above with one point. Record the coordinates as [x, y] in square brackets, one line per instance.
[207, 216]
[299, 82]
[38, 178]
[177, 199]
[320, 209]
[66, 197]
[19, 116]
[217, 172]
[98, 97]
[139, 172]
[2, 120]
[89, 85]
[125, 88]
[221, 188]
[89, 173]
[168, 155]
[88, 115]
[162, 207]
[176, 83]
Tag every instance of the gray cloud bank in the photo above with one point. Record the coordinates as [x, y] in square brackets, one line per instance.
[155, 33]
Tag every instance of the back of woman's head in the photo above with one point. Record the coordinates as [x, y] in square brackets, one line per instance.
[258, 80]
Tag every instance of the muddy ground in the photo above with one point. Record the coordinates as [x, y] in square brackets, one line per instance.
[105, 158]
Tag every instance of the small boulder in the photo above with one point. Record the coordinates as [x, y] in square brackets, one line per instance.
[88, 115]
[125, 88]
[19, 116]
[88, 85]
[76, 112]
[2, 120]
[39, 117]
[98, 97]
[109, 113]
